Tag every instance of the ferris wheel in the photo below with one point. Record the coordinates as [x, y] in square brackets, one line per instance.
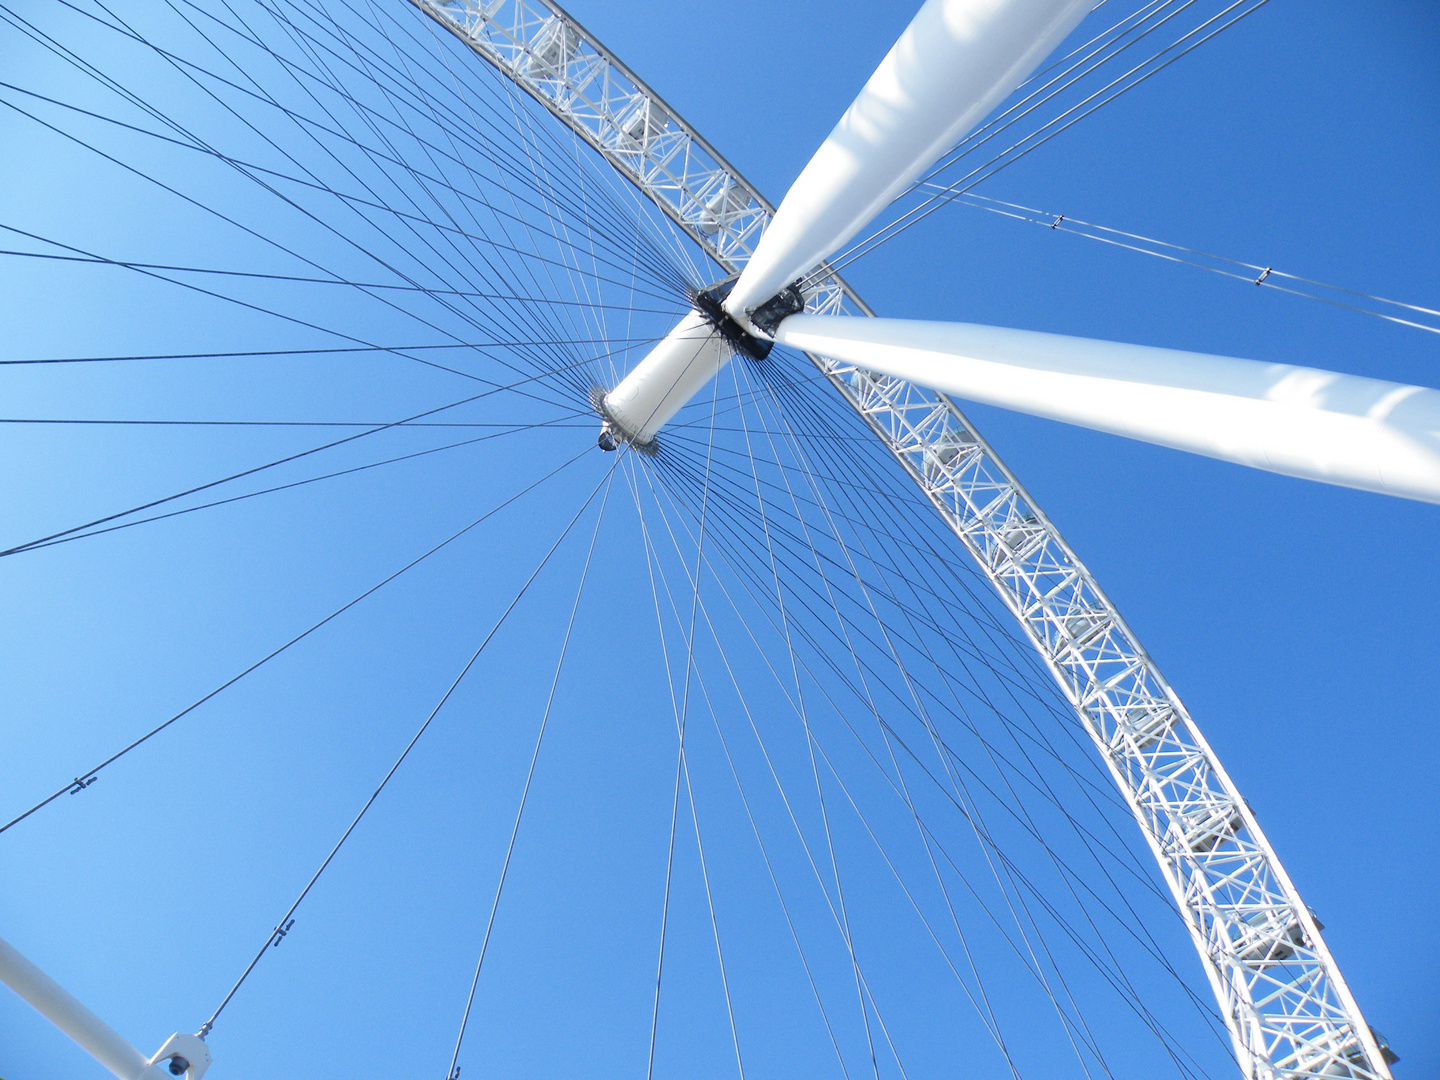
[850, 615]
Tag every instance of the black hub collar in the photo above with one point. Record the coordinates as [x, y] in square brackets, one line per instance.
[710, 302]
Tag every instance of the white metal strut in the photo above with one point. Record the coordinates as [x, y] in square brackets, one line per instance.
[1289, 1012]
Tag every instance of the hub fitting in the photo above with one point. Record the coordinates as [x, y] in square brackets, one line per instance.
[710, 302]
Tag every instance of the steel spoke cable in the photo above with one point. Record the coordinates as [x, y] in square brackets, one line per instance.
[928, 723]
[1066, 719]
[761, 554]
[680, 706]
[1063, 715]
[780, 788]
[1068, 1022]
[48, 540]
[336, 350]
[770, 872]
[896, 530]
[987, 1014]
[867, 995]
[158, 276]
[651, 557]
[1105, 37]
[988, 661]
[543, 177]
[578, 288]
[574, 249]
[869, 701]
[984, 172]
[293, 484]
[1016, 682]
[682, 771]
[191, 139]
[1052, 89]
[84, 779]
[530, 774]
[166, 187]
[131, 264]
[202, 206]
[41, 541]
[282, 928]
[819, 790]
[945, 752]
[674, 805]
[610, 211]
[923, 210]
[876, 761]
[781, 682]
[173, 59]
[714, 923]
[393, 154]
[990, 749]
[398, 84]
[1067, 224]
[684, 764]
[934, 556]
[295, 423]
[910, 752]
[950, 860]
[405, 86]
[664, 923]
[760, 742]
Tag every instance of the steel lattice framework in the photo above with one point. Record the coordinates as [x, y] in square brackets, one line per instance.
[1289, 1012]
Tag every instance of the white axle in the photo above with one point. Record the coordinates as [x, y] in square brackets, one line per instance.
[93, 1035]
[1318, 425]
[673, 372]
[954, 63]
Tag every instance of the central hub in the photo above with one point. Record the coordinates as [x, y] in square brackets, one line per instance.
[710, 302]
[685, 360]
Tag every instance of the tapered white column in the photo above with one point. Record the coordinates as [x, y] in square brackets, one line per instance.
[674, 371]
[953, 64]
[187, 1053]
[56, 1004]
[1319, 425]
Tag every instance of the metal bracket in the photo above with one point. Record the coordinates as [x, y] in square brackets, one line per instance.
[182, 1055]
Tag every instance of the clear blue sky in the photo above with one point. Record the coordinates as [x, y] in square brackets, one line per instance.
[1297, 621]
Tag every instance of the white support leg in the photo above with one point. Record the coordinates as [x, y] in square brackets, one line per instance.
[955, 62]
[1297, 421]
[675, 371]
[93, 1035]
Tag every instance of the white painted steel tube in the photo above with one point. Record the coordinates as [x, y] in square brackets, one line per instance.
[56, 1004]
[954, 63]
[674, 371]
[1319, 425]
